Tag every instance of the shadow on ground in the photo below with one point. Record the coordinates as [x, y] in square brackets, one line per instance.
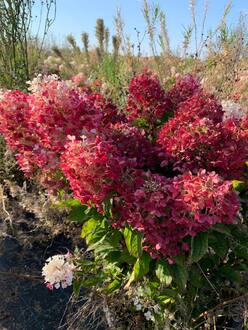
[25, 303]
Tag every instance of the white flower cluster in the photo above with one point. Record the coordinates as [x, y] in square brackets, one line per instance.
[148, 311]
[35, 83]
[231, 110]
[58, 271]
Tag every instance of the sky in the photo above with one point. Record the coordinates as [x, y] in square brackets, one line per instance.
[77, 16]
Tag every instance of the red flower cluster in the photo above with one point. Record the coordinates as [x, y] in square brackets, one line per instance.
[63, 131]
[199, 105]
[94, 169]
[195, 138]
[184, 89]
[147, 99]
[36, 125]
[98, 165]
[169, 210]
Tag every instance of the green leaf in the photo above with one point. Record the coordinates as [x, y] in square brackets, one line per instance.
[96, 235]
[93, 281]
[126, 257]
[165, 300]
[219, 245]
[229, 273]
[106, 244]
[76, 287]
[133, 240]
[199, 246]
[169, 293]
[241, 252]
[179, 275]
[195, 277]
[68, 203]
[140, 268]
[105, 248]
[88, 227]
[223, 229]
[77, 213]
[82, 213]
[238, 185]
[113, 286]
[163, 272]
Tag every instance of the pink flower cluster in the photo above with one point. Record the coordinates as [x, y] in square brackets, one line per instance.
[196, 137]
[184, 89]
[64, 135]
[98, 166]
[169, 210]
[147, 99]
[36, 125]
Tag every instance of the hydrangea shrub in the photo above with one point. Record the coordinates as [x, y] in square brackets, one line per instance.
[153, 183]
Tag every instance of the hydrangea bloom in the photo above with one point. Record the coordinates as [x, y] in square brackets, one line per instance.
[168, 210]
[93, 167]
[220, 147]
[135, 146]
[58, 271]
[147, 99]
[45, 118]
[183, 89]
[97, 165]
[199, 105]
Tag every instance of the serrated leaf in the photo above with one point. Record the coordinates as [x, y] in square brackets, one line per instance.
[104, 248]
[199, 246]
[163, 272]
[179, 275]
[96, 235]
[133, 240]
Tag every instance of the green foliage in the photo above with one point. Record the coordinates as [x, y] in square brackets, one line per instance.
[190, 284]
[140, 268]
[163, 272]
[199, 246]
[133, 240]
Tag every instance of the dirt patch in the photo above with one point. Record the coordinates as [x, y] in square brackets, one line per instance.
[27, 239]
[25, 302]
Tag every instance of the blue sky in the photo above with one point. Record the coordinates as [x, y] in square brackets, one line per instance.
[76, 16]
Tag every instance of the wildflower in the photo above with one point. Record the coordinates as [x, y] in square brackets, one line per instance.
[157, 309]
[148, 315]
[58, 271]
